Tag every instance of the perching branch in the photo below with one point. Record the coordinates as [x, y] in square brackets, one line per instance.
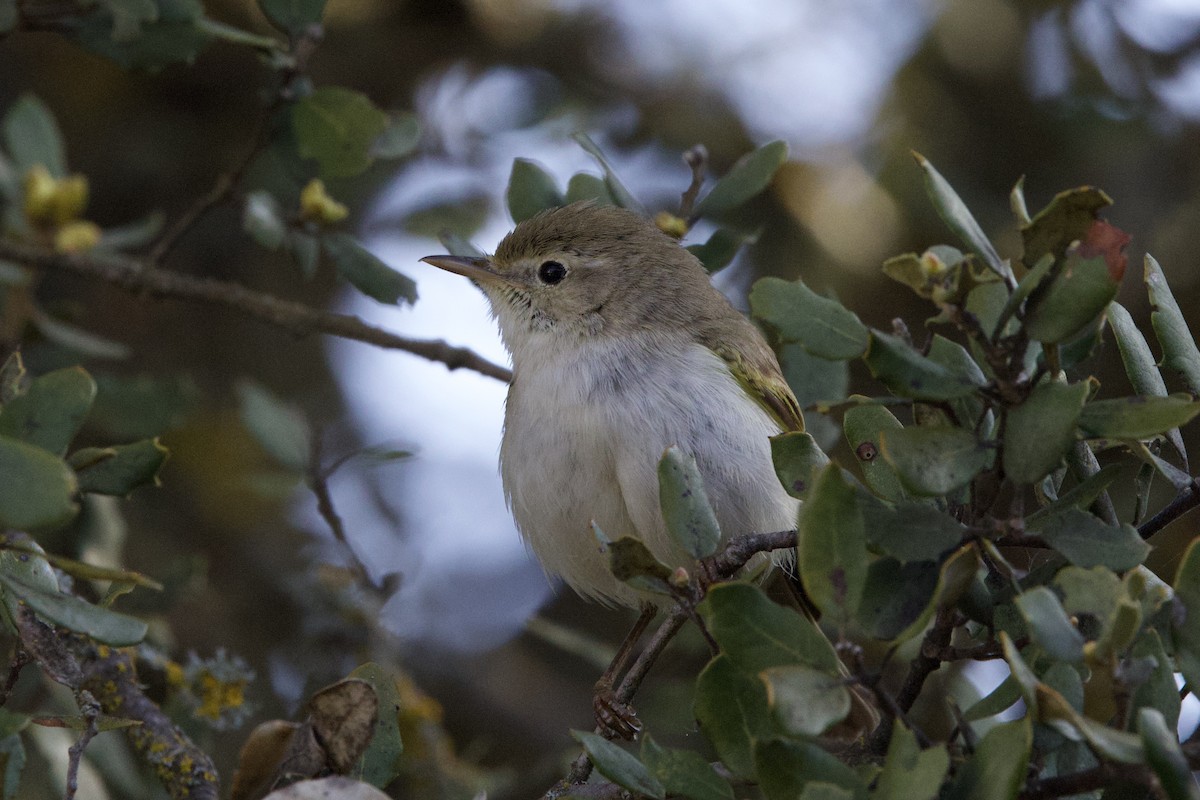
[1185, 501]
[298, 319]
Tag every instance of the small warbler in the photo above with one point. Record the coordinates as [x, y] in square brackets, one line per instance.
[621, 348]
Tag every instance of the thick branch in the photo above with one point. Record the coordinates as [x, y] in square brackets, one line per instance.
[296, 318]
[1089, 780]
[1184, 502]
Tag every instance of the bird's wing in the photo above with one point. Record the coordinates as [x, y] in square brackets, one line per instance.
[762, 380]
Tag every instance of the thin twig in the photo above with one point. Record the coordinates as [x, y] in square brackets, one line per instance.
[89, 711]
[318, 482]
[19, 659]
[1088, 780]
[1185, 501]
[922, 666]
[296, 318]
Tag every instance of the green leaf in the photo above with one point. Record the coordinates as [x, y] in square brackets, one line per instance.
[630, 561]
[383, 760]
[958, 218]
[51, 411]
[954, 357]
[786, 768]
[999, 699]
[1166, 757]
[821, 326]
[1139, 363]
[896, 595]
[399, 138]
[689, 516]
[831, 554]
[78, 569]
[78, 615]
[306, 252]
[864, 426]
[805, 701]
[935, 461]
[896, 612]
[1076, 295]
[1136, 417]
[909, 374]
[684, 773]
[1092, 591]
[1185, 626]
[910, 531]
[366, 272]
[619, 766]
[123, 469]
[263, 219]
[732, 710]
[31, 137]
[997, 769]
[797, 458]
[39, 489]
[279, 428]
[1041, 430]
[755, 633]
[1087, 541]
[178, 33]
[620, 195]
[1049, 626]
[910, 773]
[293, 16]
[337, 127]
[1064, 220]
[82, 342]
[463, 215]
[1082, 495]
[12, 762]
[1179, 347]
[717, 253]
[585, 186]
[1158, 691]
[1031, 281]
[531, 189]
[747, 177]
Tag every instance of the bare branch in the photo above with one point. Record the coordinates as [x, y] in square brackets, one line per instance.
[1185, 501]
[89, 711]
[298, 319]
[697, 159]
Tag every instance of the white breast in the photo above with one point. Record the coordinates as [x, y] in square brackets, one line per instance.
[585, 429]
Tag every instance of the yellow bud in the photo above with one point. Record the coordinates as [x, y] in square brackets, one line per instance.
[317, 206]
[39, 188]
[70, 198]
[931, 265]
[77, 236]
[670, 224]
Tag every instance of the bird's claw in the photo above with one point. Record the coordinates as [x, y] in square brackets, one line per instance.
[615, 719]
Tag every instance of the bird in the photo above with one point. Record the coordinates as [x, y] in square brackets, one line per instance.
[621, 347]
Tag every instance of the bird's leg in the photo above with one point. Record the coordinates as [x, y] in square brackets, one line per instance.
[614, 718]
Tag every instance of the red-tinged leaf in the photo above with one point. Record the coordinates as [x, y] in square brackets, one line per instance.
[1109, 241]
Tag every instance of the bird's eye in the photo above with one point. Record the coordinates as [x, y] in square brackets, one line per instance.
[551, 272]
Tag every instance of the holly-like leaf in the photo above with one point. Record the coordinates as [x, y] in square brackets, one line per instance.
[38, 489]
[864, 426]
[821, 326]
[787, 770]
[805, 701]
[689, 516]
[1179, 347]
[122, 468]
[831, 553]
[367, 272]
[382, 761]
[910, 374]
[1049, 626]
[31, 137]
[935, 461]
[797, 458]
[1064, 220]
[1087, 541]
[732, 710]
[755, 633]
[684, 773]
[51, 411]
[910, 773]
[997, 769]
[281, 429]
[1081, 289]
[1041, 430]
[719, 250]
[585, 186]
[747, 177]
[337, 127]
[293, 16]
[620, 766]
[531, 189]
[78, 615]
[1136, 417]
[1166, 757]
[958, 217]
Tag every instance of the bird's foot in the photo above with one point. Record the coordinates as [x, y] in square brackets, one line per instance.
[615, 719]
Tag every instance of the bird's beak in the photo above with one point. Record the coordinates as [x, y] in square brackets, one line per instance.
[477, 269]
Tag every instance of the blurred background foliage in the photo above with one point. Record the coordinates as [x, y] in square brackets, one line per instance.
[1096, 92]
